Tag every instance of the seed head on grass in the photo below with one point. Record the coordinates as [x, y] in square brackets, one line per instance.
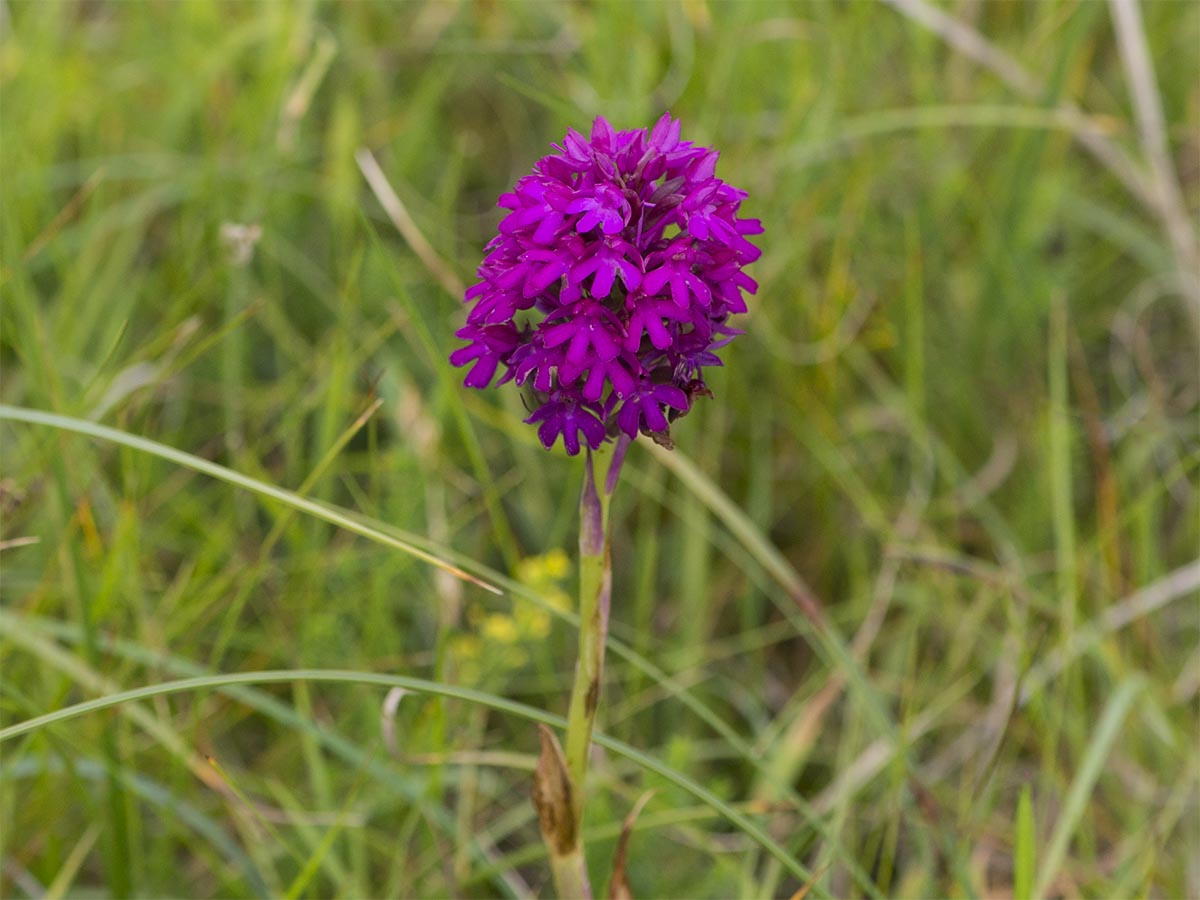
[610, 285]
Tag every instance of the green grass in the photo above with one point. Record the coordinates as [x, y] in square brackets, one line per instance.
[913, 610]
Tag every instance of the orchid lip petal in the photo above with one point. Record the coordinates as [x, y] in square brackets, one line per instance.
[603, 282]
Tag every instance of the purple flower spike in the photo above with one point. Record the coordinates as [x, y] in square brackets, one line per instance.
[623, 253]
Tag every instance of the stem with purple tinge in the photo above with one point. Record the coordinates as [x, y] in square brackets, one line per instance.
[595, 595]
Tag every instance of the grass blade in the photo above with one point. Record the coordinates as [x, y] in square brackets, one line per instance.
[1023, 852]
[423, 686]
[1085, 779]
[325, 512]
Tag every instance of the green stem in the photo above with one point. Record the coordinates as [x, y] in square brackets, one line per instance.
[570, 874]
[595, 586]
[595, 593]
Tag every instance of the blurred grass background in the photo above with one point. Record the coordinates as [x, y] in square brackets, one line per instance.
[917, 592]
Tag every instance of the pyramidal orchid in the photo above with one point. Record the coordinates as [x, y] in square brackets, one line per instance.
[605, 295]
[610, 284]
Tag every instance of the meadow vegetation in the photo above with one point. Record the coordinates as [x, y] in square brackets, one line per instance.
[911, 611]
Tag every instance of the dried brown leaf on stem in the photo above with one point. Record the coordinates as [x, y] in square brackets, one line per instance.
[618, 886]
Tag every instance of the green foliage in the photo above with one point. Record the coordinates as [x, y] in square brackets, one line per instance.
[920, 578]
[1024, 848]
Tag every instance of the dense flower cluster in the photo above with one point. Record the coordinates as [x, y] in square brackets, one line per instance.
[632, 252]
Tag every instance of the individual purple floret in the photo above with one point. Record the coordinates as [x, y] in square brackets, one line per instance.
[610, 284]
